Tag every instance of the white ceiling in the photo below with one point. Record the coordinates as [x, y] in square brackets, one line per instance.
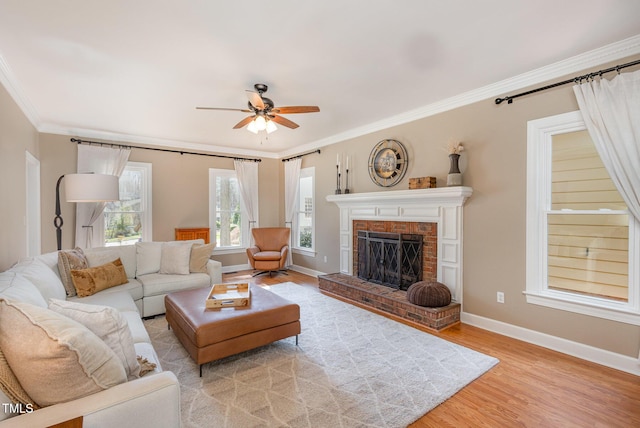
[135, 70]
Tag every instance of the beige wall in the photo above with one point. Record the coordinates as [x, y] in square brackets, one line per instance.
[17, 136]
[493, 164]
[180, 187]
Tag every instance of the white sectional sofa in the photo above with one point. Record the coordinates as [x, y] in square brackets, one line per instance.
[152, 400]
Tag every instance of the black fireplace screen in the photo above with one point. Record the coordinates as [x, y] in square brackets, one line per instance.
[391, 259]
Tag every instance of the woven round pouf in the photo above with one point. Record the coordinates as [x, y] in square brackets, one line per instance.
[429, 293]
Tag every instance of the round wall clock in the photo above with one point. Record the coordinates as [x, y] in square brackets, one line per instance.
[388, 162]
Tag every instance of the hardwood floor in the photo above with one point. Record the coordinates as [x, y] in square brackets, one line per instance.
[530, 387]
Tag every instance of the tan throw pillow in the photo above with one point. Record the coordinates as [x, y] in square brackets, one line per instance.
[108, 324]
[200, 254]
[54, 358]
[11, 387]
[69, 260]
[91, 280]
[175, 257]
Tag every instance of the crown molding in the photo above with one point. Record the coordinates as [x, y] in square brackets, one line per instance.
[151, 141]
[593, 58]
[10, 82]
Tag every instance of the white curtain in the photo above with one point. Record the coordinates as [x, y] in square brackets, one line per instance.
[99, 160]
[247, 174]
[611, 112]
[291, 185]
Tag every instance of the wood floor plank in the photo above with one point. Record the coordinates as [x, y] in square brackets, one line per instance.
[530, 387]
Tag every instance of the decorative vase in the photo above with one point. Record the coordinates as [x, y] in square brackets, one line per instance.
[455, 177]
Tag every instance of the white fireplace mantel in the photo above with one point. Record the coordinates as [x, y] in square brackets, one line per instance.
[440, 205]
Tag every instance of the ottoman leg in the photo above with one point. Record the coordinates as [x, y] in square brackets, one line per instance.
[201, 370]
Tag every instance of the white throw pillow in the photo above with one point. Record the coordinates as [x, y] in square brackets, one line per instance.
[14, 286]
[54, 358]
[148, 257]
[43, 277]
[175, 258]
[108, 324]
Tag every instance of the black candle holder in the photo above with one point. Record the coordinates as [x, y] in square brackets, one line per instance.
[338, 191]
[346, 186]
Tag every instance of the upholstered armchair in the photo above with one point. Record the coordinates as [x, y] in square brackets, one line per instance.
[270, 251]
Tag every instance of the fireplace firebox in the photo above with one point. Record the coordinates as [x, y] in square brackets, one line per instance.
[390, 259]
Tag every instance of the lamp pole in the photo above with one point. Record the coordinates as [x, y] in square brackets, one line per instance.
[57, 221]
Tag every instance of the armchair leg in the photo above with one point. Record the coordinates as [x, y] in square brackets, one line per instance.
[283, 271]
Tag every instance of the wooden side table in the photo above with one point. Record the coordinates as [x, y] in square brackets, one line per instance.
[186, 234]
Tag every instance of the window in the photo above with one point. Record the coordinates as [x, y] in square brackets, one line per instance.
[128, 220]
[581, 252]
[227, 211]
[303, 227]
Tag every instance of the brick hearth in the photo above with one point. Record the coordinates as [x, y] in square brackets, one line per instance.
[388, 300]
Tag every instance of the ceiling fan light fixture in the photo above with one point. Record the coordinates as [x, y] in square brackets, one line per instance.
[252, 127]
[271, 127]
[260, 122]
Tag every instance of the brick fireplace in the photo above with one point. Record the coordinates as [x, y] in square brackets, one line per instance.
[428, 231]
[436, 214]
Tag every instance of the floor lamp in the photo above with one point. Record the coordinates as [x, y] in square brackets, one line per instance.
[85, 188]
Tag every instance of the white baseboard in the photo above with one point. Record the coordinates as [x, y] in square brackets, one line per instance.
[306, 271]
[600, 356]
[235, 268]
[301, 269]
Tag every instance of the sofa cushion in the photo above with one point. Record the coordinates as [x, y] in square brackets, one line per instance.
[14, 286]
[10, 386]
[136, 326]
[68, 260]
[174, 259]
[41, 275]
[100, 255]
[200, 255]
[106, 323]
[91, 280]
[156, 283]
[118, 299]
[54, 358]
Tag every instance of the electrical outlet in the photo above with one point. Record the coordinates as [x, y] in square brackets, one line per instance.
[500, 297]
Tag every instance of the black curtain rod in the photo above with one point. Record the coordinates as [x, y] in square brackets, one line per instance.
[75, 140]
[578, 79]
[299, 156]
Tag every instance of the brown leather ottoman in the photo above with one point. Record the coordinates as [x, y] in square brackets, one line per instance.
[211, 334]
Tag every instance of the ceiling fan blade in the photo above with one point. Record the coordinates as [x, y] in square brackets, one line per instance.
[296, 109]
[223, 108]
[284, 122]
[243, 122]
[255, 99]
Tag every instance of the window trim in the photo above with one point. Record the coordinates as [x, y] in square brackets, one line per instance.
[311, 252]
[539, 135]
[245, 230]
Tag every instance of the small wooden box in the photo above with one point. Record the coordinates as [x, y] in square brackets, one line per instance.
[229, 295]
[422, 183]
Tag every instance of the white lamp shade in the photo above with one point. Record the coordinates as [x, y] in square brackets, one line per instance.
[91, 187]
[261, 123]
[252, 127]
[271, 127]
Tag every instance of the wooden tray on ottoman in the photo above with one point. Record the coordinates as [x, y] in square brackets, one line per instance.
[229, 295]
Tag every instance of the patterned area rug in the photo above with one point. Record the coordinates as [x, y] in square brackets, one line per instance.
[352, 368]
